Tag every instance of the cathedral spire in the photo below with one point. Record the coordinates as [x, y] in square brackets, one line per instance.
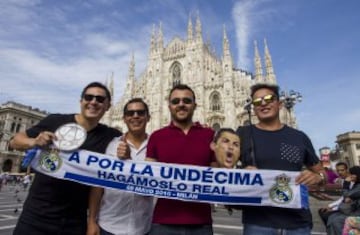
[258, 66]
[152, 42]
[227, 59]
[111, 85]
[132, 67]
[160, 39]
[190, 30]
[198, 29]
[270, 75]
[226, 47]
[130, 83]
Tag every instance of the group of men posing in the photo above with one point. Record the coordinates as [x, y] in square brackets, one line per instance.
[61, 207]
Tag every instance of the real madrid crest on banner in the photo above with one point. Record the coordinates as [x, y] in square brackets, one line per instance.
[281, 192]
[50, 161]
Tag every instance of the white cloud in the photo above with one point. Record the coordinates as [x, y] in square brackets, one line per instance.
[44, 83]
[244, 23]
[254, 20]
[100, 43]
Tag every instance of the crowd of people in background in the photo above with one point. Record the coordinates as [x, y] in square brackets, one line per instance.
[341, 216]
[15, 180]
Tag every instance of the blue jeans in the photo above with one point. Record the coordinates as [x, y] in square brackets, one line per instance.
[183, 229]
[251, 229]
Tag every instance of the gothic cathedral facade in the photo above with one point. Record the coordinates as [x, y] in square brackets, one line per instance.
[222, 91]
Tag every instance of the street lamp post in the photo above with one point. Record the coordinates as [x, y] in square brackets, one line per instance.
[289, 100]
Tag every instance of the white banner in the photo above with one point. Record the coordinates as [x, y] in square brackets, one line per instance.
[175, 181]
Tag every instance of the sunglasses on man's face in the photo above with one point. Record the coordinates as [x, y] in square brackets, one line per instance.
[139, 112]
[267, 99]
[185, 100]
[98, 98]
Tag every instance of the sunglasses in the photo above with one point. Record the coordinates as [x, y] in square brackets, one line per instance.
[267, 99]
[98, 98]
[139, 112]
[185, 100]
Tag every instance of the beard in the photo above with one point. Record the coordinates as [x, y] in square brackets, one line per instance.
[182, 118]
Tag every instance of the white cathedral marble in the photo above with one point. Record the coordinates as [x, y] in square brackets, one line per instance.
[221, 89]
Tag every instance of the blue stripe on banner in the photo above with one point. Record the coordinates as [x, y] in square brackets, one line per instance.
[230, 199]
[304, 196]
[168, 193]
[94, 181]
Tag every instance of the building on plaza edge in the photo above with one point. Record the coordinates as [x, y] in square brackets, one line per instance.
[15, 117]
[349, 147]
[347, 150]
[221, 90]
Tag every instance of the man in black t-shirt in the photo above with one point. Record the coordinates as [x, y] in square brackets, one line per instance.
[271, 145]
[55, 206]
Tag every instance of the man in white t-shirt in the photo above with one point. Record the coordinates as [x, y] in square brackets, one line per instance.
[114, 212]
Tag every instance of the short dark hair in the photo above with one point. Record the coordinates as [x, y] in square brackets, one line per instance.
[136, 100]
[99, 85]
[355, 170]
[342, 164]
[219, 132]
[181, 87]
[273, 87]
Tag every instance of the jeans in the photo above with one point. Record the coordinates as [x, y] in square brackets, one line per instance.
[183, 229]
[103, 232]
[251, 229]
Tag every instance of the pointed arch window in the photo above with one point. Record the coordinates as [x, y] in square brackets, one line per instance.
[176, 73]
[215, 101]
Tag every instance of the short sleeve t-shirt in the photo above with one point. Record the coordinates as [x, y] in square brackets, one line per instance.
[171, 145]
[285, 149]
[53, 200]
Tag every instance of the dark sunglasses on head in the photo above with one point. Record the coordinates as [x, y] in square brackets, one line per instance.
[140, 112]
[98, 98]
[185, 100]
[267, 99]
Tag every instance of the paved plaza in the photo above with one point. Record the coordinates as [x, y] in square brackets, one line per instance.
[12, 197]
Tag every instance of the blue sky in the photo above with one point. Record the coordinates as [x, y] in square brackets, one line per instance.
[50, 49]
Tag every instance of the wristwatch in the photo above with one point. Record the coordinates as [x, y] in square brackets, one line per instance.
[323, 178]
